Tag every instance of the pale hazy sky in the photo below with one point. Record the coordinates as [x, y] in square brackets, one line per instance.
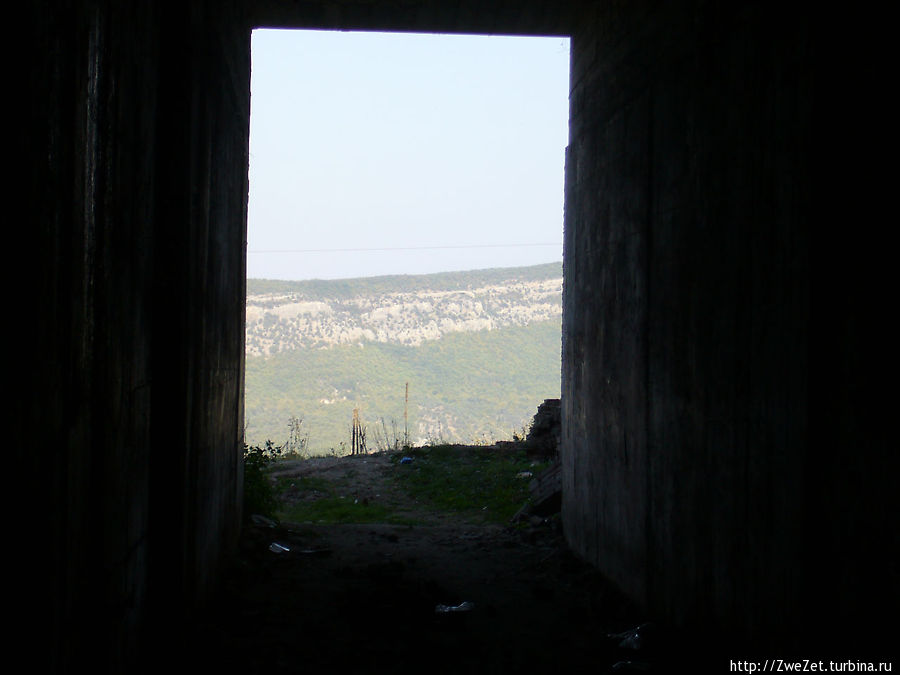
[430, 152]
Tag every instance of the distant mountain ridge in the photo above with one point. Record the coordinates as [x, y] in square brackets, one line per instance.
[282, 316]
[439, 281]
[480, 350]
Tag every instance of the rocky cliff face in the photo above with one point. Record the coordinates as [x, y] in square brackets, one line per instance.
[278, 322]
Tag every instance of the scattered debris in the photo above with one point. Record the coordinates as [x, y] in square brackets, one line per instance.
[406, 460]
[262, 521]
[635, 638]
[546, 491]
[275, 547]
[634, 666]
[531, 599]
[546, 494]
[461, 607]
[524, 474]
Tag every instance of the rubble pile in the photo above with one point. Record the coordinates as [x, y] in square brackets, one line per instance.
[543, 437]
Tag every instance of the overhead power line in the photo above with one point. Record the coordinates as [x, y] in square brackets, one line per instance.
[399, 248]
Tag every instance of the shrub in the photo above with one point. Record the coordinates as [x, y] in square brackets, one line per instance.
[259, 492]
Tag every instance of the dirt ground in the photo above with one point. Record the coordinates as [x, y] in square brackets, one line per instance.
[447, 595]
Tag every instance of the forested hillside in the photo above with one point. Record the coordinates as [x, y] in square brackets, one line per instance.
[479, 351]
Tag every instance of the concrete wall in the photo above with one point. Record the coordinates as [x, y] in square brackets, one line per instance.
[689, 476]
[486, 17]
[199, 292]
[129, 320]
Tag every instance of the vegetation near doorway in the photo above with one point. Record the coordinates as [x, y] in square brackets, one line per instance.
[416, 486]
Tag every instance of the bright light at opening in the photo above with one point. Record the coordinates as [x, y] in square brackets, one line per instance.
[375, 153]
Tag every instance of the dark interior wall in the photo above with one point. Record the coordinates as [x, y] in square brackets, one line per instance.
[81, 425]
[126, 433]
[199, 292]
[687, 308]
[853, 560]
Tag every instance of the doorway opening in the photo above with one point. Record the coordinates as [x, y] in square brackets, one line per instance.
[404, 237]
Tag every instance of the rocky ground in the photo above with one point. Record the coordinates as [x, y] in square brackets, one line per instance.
[444, 595]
